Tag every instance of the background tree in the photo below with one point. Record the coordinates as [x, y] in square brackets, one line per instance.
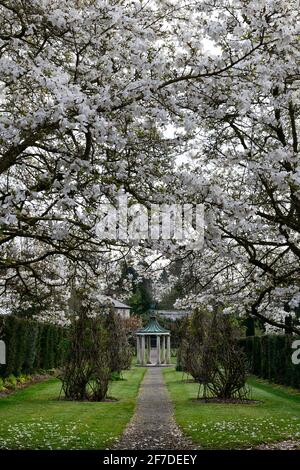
[130, 325]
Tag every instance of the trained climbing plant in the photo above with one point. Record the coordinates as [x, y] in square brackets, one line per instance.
[211, 354]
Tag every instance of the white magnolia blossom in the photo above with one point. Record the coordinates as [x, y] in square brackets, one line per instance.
[247, 165]
[89, 92]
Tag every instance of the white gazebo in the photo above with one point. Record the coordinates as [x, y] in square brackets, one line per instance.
[144, 339]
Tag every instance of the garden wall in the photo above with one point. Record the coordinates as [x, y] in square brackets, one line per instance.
[30, 345]
[270, 357]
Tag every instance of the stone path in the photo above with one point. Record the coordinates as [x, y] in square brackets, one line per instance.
[153, 425]
[153, 355]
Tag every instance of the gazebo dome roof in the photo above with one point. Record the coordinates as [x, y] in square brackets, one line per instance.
[153, 328]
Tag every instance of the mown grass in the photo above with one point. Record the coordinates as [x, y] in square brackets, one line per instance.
[229, 426]
[34, 418]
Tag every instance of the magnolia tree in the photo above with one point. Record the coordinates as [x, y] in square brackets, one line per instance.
[82, 108]
[100, 96]
[246, 165]
[87, 89]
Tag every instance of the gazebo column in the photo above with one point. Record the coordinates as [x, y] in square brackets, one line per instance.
[168, 349]
[138, 350]
[146, 350]
[149, 348]
[158, 349]
[143, 351]
[163, 358]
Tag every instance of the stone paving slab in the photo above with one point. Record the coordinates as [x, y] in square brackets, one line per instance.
[153, 426]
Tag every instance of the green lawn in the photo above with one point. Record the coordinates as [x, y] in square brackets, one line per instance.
[219, 426]
[34, 418]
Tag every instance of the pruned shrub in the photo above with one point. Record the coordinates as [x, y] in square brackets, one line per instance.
[85, 373]
[209, 351]
[95, 351]
[119, 351]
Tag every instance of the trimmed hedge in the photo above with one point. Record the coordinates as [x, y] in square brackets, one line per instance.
[270, 357]
[30, 345]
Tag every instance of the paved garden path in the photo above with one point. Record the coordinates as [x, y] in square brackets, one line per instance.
[153, 425]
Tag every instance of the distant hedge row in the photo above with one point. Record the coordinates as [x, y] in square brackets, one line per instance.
[270, 357]
[30, 345]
